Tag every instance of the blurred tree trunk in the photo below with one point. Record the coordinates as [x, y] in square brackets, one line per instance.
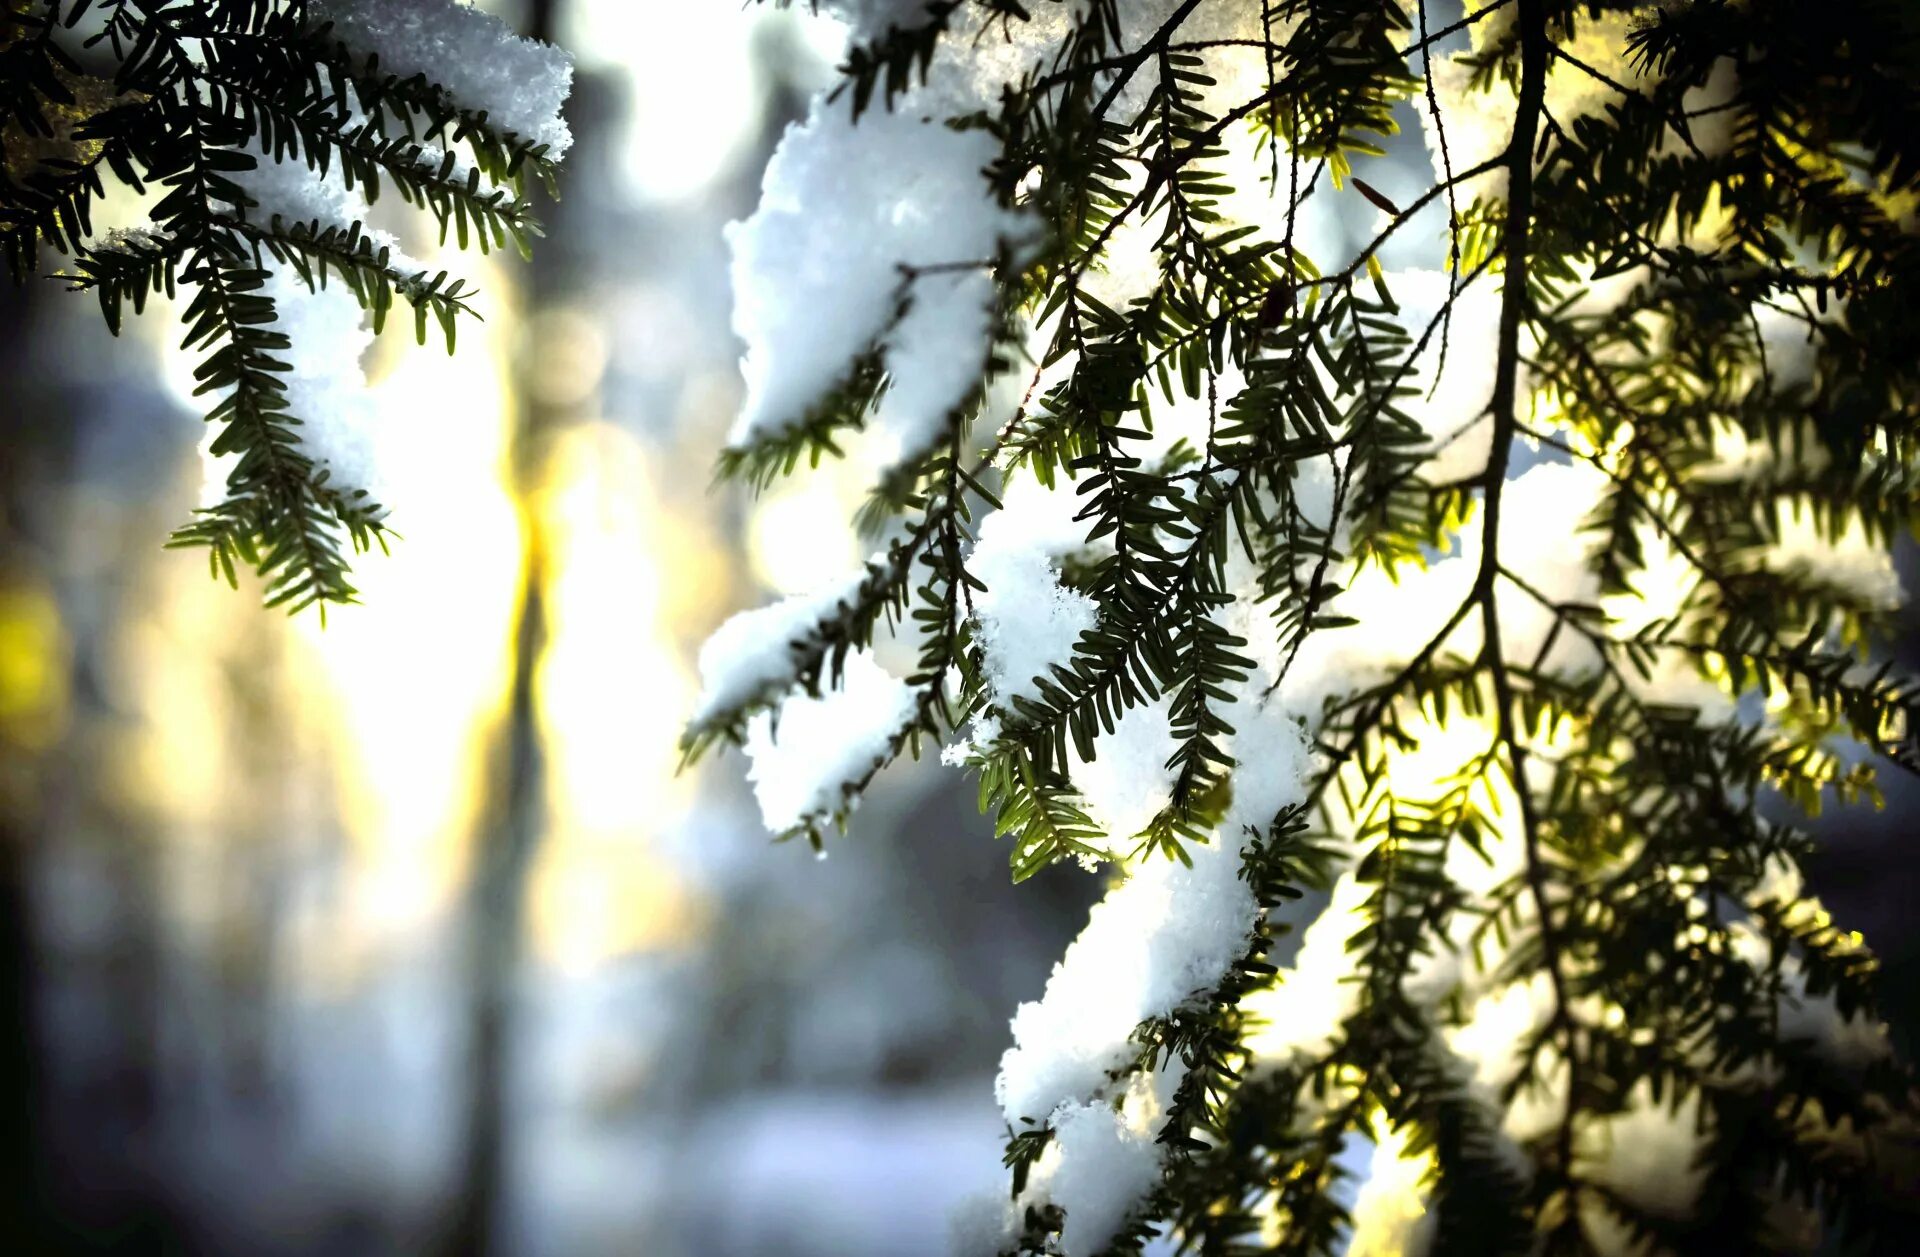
[27, 1211]
[79, 1108]
[511, 823]
[20, 1141]
[495, 945]
[20, 1119]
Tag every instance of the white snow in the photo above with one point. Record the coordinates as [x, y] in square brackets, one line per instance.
[1544, 542]
[1298, 1017]
[817, 267]
[1271, 759]
[1101, 1160]
[1028, 620]
[326, 387]
[849, 215]
[1162, 935]
[1390, 1217]
[1848, 560]
[802, 755]
[1128, 782]
[1165, 933]
[520, 83]
[1646, 1152]
[1453, 402]
[930, 371]
[844, 206]
[750, 655]
[1845, 1043]
[1479, 124]
[1180, 418]
[473, 54]
[1599, 42]
[1477, 127]
[1106, 1162]
[1129, 266]
[1396, 615]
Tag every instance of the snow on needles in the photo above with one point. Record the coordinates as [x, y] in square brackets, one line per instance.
[818, 273]
[850, 211]
[1028, 620]
[878, 238]
[1107, 1160]
[1128, 782]
[802, 755]
[327, 333]
[1168, 931]
[1103, 1157]
[751, 654]
[519, 83]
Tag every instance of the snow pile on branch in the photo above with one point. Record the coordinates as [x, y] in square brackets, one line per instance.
[867, 19]
[1028, 620]
[1544, 542]
[946, 311]
[1395, 615]
[520, 84]
[1473, 128]
[873, 246]
[1478, 124]
[328, 333]
[849, 215]
[1849, 560]
[1844, 1043]
[853, 214]
[1300, 1015]
[1390, 1215]
[1162, 935]
[1105, 1160]
[751, 654]
[1456, 388]
[1129, 781]
[1648, 1153]
[1166, 933]
[803, 754]
[1102, 1158]
[327, 387]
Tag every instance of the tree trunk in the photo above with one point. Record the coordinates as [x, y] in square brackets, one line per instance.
[508, 841]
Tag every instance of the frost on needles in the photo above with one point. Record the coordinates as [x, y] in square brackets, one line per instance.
[1515, 594]
[267, 128]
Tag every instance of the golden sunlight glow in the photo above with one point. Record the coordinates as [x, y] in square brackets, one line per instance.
[249, 725]
[383, 721]
[33, 667]
[1392, 1205]
[1389, 1214]
[420, 672]
[613, 690]
[799, 538]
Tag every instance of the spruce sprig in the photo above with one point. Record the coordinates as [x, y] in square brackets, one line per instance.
[188, 98]
[1647, 827]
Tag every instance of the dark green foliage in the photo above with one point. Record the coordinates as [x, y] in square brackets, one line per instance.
[1647, 827]
[185, 99]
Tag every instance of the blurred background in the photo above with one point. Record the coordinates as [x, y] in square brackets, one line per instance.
[403, 936]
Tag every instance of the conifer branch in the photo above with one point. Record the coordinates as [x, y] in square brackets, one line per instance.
[1624, 905]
